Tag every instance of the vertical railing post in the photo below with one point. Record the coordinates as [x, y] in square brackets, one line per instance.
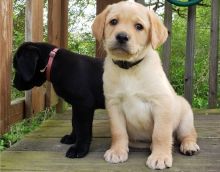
[166, 51]
[63, 41]
[213, 54]
[35, 98]
[190, 53]
[57, 35]
[5, 64]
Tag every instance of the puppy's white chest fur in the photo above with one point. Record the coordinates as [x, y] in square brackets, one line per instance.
[138, 117]
[127, 90]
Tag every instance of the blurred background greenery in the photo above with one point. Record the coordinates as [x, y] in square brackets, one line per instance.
[81, 14]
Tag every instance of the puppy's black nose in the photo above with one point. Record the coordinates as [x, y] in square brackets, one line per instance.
[122, 37]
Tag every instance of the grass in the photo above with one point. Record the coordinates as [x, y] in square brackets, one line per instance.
[18, 130]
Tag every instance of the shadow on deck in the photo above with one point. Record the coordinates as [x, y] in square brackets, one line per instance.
[42, 151]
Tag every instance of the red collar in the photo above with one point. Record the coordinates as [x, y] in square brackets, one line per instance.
[50, 61]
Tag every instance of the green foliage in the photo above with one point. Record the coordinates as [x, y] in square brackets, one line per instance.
[18, 23]
[16, 94]
[201, 61]
[201, 67]
[18, 36]
[82, 44]
[81, 15]
[178, 54]
[18, 130]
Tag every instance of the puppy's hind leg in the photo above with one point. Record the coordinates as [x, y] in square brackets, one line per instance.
[71, 138]
[186, 132]
[82, 119]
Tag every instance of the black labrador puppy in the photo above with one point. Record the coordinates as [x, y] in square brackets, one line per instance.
[76, 78]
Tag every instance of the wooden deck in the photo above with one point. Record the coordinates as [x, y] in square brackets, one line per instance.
[42, 151]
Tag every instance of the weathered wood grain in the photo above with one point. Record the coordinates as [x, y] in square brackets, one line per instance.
[16, 111]
[99, 114]
[213, 54]
[42, 151]
[57, 35]
[56, 161]
[5, 62]
[34, 98]
[190, 53]
[100, 145]
[104, 131]
[102, 114]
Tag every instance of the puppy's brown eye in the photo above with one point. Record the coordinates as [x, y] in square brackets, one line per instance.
[139, 27]
[113, 22]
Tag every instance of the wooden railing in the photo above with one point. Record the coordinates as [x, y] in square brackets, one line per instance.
[190, 50]
[38, 98]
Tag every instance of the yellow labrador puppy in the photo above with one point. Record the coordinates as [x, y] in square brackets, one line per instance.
[140, 101]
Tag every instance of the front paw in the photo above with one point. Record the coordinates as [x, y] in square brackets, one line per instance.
[78, 151]
[159, 161]
[68, 139]
[116, 155]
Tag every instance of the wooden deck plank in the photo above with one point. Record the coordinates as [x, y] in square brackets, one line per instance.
[53, 132]
[52, 128]
[99, 145]
[41, 150]
[54, 145]
[210, 123]
[56, 161]
[101, 114]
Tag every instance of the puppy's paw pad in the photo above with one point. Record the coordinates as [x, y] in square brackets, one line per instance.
[68, 139]
[77, 151]
[116, 155]
[189, 148]
[159, 161]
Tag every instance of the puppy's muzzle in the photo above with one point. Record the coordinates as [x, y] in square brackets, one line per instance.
[122, 38]
[120, 44]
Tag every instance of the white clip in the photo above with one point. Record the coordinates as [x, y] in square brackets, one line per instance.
[43, 70]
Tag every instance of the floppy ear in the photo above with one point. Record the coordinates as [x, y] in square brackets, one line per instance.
[26, 60]
[99, 24]
[158, 30]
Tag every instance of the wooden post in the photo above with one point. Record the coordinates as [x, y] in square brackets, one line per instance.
[5, 65]
[63, 42]
[166, 51]
[100, 6]
[35, 98]
[64, 24]
[57, 35]
[213, 55]
[190, 47]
